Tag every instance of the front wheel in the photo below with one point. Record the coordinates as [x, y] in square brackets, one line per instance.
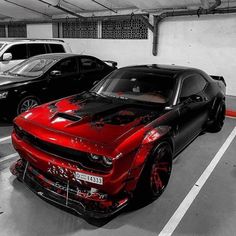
[26, 104]
[156, 173]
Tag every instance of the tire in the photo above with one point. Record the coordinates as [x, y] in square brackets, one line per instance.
[219, 118]
[26, 104]
[156, 174]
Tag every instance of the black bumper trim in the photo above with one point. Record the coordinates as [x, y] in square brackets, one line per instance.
[55, 198]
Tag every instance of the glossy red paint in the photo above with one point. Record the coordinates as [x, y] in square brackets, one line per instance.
[87, 152]
[120, 143]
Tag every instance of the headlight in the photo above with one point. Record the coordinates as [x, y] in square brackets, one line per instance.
[95, 157]
[107, 161]
[101, 159]
[3, 94]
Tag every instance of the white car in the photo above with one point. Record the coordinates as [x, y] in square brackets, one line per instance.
[14, 51]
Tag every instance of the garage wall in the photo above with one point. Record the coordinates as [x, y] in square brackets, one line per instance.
[208, 42]
[125, 52]
[39, 31]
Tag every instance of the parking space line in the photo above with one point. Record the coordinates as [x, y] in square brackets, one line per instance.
[5, 138]
[2, 159]
[188, 200]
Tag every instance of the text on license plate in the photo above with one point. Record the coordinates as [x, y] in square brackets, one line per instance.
[89, 178]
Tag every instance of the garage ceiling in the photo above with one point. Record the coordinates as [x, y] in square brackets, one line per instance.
[45, 9]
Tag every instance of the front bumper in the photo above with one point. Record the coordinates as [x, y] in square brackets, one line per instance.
[81, 201]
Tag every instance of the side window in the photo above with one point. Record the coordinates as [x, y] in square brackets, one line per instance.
[36, 49]
[192, 85]
[18, 52]
[67, 66]
[56, 48]
[88, 64]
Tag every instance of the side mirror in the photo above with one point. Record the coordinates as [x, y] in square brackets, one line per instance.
[113, 63]
[7, 56]
[55, 73]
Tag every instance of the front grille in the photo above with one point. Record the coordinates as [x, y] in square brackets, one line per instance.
[79, 158]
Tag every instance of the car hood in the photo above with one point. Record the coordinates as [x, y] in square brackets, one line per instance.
[98, 119]
[6, 79]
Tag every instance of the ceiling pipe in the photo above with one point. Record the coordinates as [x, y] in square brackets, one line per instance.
[73, 5]
[58, 6]
[145, 21]
[110, 9]
[211, 10]
[27, 8]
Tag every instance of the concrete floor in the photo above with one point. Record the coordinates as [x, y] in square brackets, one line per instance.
[213, 212]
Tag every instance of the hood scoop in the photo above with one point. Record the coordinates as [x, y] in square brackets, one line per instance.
[68, 116]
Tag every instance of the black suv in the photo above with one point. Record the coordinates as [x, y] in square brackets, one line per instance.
[47, 77]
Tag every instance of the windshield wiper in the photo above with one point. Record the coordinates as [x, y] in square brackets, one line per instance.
[117, 97]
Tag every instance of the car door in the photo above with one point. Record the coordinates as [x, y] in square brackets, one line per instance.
[19, 53]
[193, 109]
[64, 78]
[92, 70]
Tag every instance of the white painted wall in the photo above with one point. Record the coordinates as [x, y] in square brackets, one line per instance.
[208, 43]
[42, 31]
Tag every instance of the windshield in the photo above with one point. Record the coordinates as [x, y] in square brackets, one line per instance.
[147, 86]
[32, 67]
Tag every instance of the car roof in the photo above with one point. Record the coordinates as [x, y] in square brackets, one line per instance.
[57, 56]
[31, 40]
[164, 69]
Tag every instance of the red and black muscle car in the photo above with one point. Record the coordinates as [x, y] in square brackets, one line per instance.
[95, 151]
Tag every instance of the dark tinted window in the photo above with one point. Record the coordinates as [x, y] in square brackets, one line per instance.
[192, 85]
[18, 52]
[56, 48]
[36, 49]
[88, 64]
[66, 66]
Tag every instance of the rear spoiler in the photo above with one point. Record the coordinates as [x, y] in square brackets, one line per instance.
[113, 63]
[219, 78]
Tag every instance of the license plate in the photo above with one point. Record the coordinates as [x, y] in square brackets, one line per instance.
[89, 178]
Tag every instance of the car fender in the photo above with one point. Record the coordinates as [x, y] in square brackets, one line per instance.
[143, 153]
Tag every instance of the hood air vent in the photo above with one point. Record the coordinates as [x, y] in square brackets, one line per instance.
[69, 117]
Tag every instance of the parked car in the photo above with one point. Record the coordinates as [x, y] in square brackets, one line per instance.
[96, 151]
[14, 51]
[46, 77]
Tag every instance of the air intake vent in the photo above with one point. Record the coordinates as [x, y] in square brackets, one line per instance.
[69, 116]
